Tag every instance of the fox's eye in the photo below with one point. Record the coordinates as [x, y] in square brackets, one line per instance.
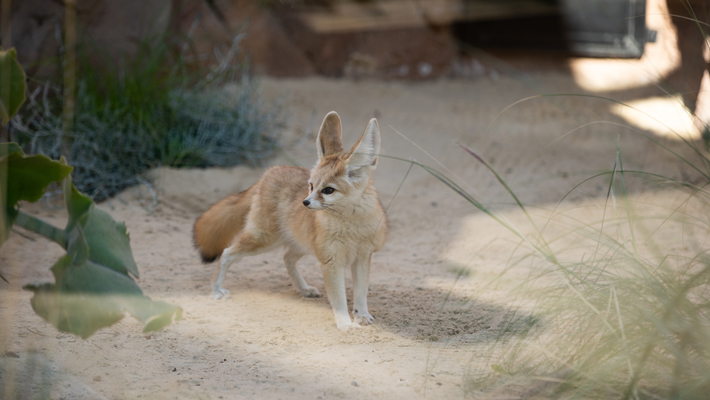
[328, 190]
[310, 187]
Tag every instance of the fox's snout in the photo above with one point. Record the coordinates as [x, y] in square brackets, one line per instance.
[312, 204]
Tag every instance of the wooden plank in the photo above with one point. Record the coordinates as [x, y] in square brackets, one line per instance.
[350, 17]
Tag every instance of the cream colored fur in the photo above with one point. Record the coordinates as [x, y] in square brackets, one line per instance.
[331, 211]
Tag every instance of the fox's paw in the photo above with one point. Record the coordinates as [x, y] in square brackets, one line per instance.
[220, 294]
[363, 318]
[309, 291]
[344, 323]
[348, 326]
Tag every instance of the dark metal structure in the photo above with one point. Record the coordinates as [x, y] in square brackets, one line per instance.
[595, 28]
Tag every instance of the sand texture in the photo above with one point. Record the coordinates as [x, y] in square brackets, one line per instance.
[436, 310]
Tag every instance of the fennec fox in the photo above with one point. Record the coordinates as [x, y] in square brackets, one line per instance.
[331, 211]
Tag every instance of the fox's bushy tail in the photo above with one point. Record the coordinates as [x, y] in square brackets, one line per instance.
[215, 230]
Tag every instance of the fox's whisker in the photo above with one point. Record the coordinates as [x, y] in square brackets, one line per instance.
[328, 207]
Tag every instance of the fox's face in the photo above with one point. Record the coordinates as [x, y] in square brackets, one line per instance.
[339, 177]
[327, 186]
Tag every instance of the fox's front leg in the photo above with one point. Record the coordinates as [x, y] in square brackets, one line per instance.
[334, 277]
[361, 282]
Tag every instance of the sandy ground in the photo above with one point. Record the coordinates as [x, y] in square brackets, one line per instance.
[433, 330]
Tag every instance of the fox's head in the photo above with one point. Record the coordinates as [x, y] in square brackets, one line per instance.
[340, 178]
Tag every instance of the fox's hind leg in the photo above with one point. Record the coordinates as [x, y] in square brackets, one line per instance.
[290, 259]
[228, 257]
[247, 243]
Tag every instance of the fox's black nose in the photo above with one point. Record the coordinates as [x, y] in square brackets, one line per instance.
[306, 203]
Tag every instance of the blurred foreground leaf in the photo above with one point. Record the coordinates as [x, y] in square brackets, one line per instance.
[93, 288]
[27, 179]
[87, 297]
[94, 229]
[94, 285]
[12, 85]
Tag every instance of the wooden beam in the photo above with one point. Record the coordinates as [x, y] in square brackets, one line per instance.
[394, 14]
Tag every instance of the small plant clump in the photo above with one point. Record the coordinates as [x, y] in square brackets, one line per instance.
[160, 109]
[623, 311]
[94, 283]
[618, 300]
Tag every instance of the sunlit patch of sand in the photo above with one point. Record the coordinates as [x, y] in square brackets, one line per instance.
[664, 116]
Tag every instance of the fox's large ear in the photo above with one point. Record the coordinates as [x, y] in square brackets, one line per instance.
[329, 142]
[362, 158]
